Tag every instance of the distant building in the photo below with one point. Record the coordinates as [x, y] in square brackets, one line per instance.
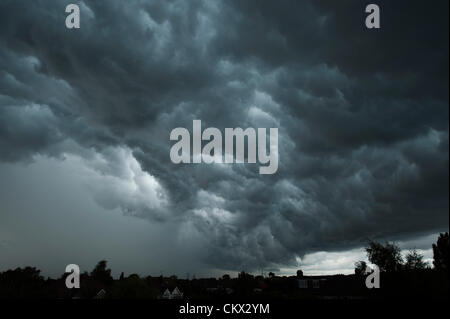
[175, 294]
[166, 294]
[316, 283]
[303, 283]
[213, 289]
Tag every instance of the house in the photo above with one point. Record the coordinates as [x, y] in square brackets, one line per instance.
[311, 282]
[176, 294]
[303, 283]
[166, 294]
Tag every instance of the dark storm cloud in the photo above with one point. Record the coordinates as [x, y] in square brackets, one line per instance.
[362, 115]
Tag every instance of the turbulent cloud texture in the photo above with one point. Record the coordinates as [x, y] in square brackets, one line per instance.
[362, 116]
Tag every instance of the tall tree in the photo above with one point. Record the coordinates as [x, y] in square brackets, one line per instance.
[101, 273]
[440, 252]
[414, 261]
[387, 257]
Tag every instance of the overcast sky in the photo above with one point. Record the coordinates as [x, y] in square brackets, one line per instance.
[85, 118]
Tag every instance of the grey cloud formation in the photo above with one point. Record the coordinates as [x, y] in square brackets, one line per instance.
[362, 116]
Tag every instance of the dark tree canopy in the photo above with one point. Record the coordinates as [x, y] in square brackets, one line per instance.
[387, 257]
[440, 252]
[360, 268]
[101, 273]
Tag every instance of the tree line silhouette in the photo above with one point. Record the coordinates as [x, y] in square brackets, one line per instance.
[411, 276]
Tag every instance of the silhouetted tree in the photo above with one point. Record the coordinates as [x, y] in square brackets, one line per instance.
[21, 283]
[440, 252]
[360, 268]
[101, 273]
[226, 277]
[122, 276]
[271, 275]
[387, 257]
[414, 261]
[299, 273]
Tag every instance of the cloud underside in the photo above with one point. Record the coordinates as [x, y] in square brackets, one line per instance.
[362, 116]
